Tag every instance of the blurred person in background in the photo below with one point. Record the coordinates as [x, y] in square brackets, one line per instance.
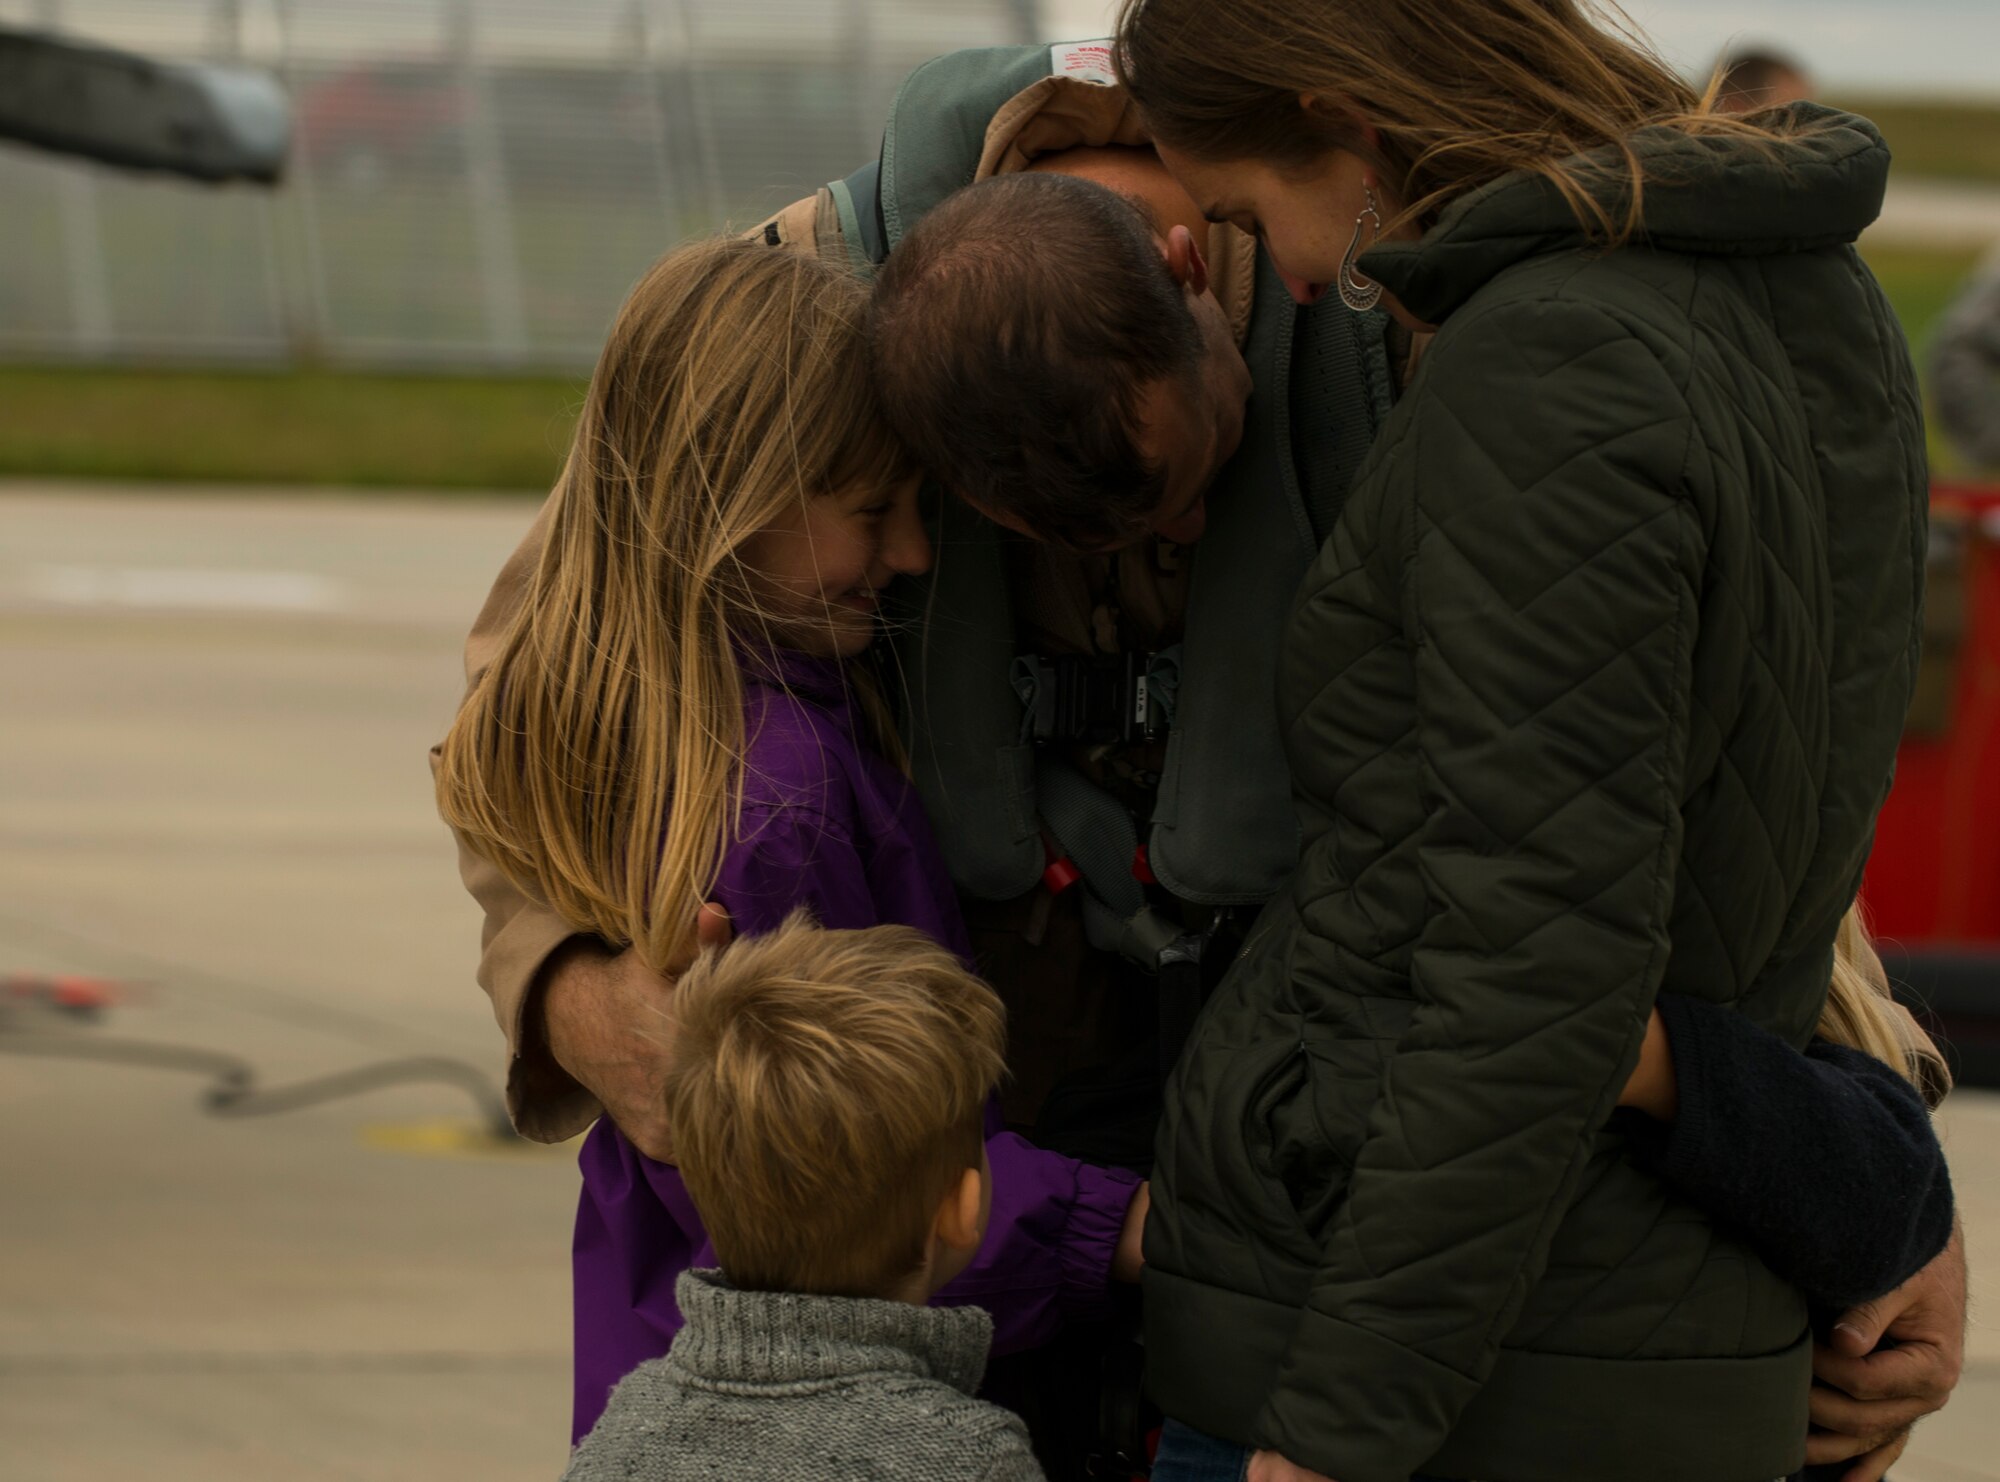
[1757, 78]
[1965, 368]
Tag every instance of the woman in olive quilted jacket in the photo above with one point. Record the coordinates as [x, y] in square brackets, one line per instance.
[1593, 694]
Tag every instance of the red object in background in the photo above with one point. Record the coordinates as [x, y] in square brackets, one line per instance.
[1060, 874]
[1934, 878]
[386, 110]
[69, 992]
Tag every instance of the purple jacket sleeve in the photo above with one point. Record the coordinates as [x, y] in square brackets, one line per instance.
[1048, 1250]
[792, 856]
[1055, 1221]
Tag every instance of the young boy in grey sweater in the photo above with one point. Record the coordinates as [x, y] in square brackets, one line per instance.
[827, 1097]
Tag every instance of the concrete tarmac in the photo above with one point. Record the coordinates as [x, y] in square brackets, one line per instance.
[213, 790]
[213, 787]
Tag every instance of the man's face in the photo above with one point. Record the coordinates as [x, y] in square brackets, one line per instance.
[1185, 428]
[1190, 428]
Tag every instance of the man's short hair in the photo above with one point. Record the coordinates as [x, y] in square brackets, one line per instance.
[827, 1090]
[1013, 332]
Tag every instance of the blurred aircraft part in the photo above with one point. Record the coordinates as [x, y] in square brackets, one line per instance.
[207, 122]
[471, 183]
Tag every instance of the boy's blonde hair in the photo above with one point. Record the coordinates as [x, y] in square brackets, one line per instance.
[599, 760]
[1862, 1013]
[827, 1092]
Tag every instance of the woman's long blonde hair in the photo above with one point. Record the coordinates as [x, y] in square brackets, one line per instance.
[1458, 92]
[1862, 1013]
[598, 761]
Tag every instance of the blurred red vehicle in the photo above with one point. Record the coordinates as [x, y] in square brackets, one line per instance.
[1932, 890]
[382, 117]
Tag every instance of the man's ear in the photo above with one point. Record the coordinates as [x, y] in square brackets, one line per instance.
[958, 1225]
[1185, 262]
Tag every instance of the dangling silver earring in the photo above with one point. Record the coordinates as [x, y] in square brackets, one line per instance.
[1358, 293]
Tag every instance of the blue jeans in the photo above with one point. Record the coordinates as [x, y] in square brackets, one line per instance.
[1187, 1455]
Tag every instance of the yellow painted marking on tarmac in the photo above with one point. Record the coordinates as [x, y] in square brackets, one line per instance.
[451, 1137]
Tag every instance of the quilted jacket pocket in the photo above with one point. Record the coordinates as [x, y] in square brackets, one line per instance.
[1313, 1116]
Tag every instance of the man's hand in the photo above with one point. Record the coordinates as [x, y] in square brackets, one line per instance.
[1653, 1087]
[1130, 1258]
[1887, 1364]
[1268, 1466]
[604, 1019]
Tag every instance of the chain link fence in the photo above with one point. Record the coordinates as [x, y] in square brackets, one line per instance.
[474, 183]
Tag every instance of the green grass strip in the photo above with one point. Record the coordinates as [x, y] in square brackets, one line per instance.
[359, 430]
[286, 427]
[1938, 139]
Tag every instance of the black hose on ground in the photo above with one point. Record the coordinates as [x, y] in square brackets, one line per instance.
[233, 1089]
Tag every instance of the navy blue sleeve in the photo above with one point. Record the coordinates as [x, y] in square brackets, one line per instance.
[1825, 1162]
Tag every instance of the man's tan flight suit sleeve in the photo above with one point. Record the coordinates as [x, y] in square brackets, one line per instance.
[521, 932]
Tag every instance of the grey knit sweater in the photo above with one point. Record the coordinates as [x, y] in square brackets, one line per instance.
[764, 1386]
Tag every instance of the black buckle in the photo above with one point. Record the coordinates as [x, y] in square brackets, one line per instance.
[1093, 699]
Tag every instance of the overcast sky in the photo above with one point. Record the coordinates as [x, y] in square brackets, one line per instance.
[1950, 46]
[1940, 46]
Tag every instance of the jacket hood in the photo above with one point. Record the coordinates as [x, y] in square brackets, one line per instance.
[1714, 194]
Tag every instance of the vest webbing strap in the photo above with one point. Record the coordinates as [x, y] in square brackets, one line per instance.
[1097, 834]
[857, 199]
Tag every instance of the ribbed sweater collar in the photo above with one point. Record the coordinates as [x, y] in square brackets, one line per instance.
[786, 1338]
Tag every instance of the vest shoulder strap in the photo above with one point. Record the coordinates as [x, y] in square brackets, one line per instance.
[858, 200]
[1224, 832]
[948, 104]
[937, 126]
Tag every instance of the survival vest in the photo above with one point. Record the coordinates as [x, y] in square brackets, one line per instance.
[1223, 831]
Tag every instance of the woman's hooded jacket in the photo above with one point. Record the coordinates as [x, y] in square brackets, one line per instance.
[1593, 693]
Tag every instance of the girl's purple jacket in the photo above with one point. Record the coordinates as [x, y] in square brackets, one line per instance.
[830, 825]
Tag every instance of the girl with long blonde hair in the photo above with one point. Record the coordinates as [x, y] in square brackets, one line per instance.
[727, 444]
[681, 712]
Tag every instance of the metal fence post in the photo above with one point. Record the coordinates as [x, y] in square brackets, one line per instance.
[703, 121]
[83, 238]
[860, 54]
[492, 207]
[646, 49]
[308, 332]
[225, 44]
